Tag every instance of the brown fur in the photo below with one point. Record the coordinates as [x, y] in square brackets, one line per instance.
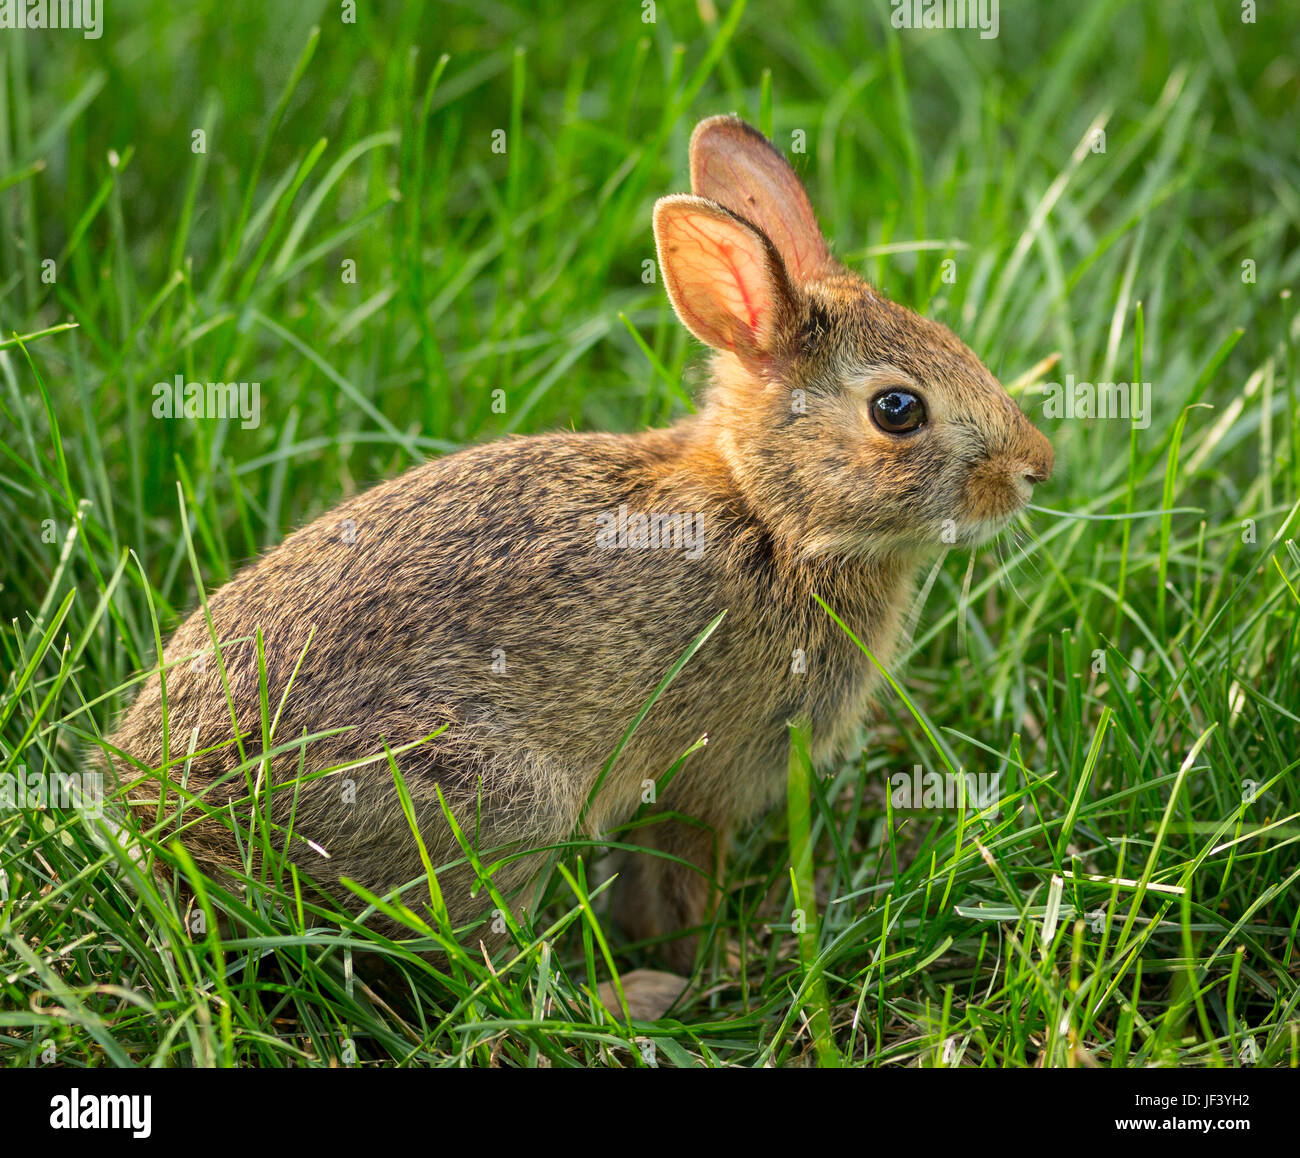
[496, 548]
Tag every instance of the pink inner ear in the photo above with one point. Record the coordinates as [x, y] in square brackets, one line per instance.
[743, 277]
[735, 166]
[777, 207]
[722, 282]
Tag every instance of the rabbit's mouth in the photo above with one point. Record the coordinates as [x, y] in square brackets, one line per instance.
[998, 503]
[995, 492]
[982, 531]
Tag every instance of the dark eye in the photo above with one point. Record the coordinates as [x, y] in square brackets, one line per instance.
[898, 411]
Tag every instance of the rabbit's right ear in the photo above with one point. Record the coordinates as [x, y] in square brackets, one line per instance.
[733, 164]
[725, 279]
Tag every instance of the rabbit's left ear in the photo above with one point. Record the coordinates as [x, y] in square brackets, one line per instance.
[724, 278]
[736, 166]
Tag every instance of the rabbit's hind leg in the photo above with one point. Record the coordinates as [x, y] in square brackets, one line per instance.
[671, 886]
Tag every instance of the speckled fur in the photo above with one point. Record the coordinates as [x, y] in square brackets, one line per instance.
[416, 586]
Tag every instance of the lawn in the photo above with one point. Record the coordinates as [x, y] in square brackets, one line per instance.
[429, 227]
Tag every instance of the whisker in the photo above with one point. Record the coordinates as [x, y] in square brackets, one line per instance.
[1025, 541]
[1006, 572]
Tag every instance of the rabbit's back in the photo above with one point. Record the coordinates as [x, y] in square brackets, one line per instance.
[526, 596]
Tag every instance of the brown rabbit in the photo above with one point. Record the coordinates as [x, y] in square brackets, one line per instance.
[529, 595]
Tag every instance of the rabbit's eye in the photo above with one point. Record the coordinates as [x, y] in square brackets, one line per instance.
[898, 411]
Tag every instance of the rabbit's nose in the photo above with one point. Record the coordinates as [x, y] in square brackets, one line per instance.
[1039, 459]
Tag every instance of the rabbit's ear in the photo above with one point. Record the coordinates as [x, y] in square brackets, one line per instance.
[736, 166]
[725, 279]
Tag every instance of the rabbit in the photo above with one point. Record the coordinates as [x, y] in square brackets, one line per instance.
[497, 617]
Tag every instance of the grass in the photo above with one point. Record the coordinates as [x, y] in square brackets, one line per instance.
[1128, 667]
